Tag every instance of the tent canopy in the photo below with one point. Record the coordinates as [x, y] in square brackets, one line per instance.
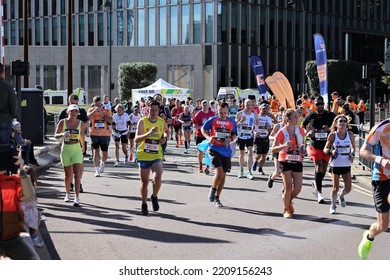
[160, 87]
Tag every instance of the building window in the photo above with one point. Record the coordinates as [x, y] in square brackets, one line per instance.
[37, 8]
[100, 29]
[130, 28]
[81, 31]
[197, 23]
[209, 23]
[37, 32]
[62, 7]
[5, 34]
[63, 31]
[45, 8]
[163, 26]
[90, 5]
[185, 24]
[141, 28]
[174, 25]
[21, 33]
[45, 31]
[244, 23]
[81, 6]
[141, 3]
[130, 4]
[152, 27]
[54, 7]
[91, 27]
[94, 80]
[119, 36]
[54, 30]
[120, 4]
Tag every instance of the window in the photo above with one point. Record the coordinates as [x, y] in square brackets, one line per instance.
[37, 8]
[119, 34]
[54, 30]
[209, 23]
[50, 77]
[130, 4]
[45, 31]
[185, 22]
[37, 32]
[152, 27]
[141, 28]
[91, 26]
[130, 28]
[100, 30]
[140, 3]
[119, 4]
[174, 25]
[54, 7]
[63, 31]
[163, 26]
[62, 7]
[81, 31]
[81, 6]
[45, 8]
[197, 23]
[90, 5]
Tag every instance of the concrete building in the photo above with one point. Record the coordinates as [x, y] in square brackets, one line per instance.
[197, 44]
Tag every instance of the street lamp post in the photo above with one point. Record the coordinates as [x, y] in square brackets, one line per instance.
[108, 6]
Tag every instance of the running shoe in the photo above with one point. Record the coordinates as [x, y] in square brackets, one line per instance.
[37, 242]
[332, 209]
[365, 246]
[212, 192]
[144, 209]
[67, 197]
[126, 161]
[116, 164]
[217, 203]
[76, 202]
[186, 151]
[155, 205]
[102, 165]
[342, 201]
[241, 174]
[261, 172]
[207, 171]
[254, 165]
[270, 182]
[250, 176]
[97, 173]
[320, 198]
[287, 214]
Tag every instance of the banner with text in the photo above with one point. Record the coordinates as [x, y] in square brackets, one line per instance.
[322, 69]
[258, 71]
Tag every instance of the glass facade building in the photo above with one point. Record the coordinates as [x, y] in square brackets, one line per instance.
[199, 44]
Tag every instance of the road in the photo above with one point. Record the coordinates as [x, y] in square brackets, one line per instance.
[108, 226]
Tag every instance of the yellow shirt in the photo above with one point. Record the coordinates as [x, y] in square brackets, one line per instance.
[150, 149]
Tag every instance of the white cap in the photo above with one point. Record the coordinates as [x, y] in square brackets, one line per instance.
[73, 107]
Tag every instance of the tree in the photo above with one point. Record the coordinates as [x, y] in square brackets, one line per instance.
[135, 75]
[385, 79]
[345, 77]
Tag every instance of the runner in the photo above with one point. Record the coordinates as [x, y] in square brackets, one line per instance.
[233, 109]
[72, 131]
[134, 118]
[176, 111]
[100, 118]
[165, 114]
[152, 132]
[120, 122]
[262, 132]
[376, 148]
[219, 131]
[246, 121]
[289, 144]
[199, 120]
[186, 122]
[317, 125]
[106, 102]
[341, 146]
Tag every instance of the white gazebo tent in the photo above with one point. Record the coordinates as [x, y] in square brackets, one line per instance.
[162, 87]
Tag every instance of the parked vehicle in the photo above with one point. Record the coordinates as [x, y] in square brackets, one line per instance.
[61, 96]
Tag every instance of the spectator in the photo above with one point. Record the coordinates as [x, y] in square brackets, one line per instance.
[8, 107]
[26, 144]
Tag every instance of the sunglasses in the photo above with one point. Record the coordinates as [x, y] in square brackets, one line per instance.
[342, 121]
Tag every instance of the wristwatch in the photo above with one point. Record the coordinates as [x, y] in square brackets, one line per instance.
[22, 173]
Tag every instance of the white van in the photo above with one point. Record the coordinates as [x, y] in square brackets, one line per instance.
[61, 96]
[228, 93]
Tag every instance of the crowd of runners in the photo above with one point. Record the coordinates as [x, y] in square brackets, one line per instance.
[258, 129]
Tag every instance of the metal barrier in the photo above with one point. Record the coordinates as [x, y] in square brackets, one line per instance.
[362, 161]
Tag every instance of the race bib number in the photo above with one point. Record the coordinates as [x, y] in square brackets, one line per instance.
[116, 135]
[321, 135]
[246, 130]
[151, 146]
[344, 151]
[99, 124]
[293, 156]
[73, 136]
[262, 132]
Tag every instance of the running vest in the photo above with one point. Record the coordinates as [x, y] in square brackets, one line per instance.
[120, 124]
[150, 149]
[98, 126]
[134, 121]
[245, 130]
[187, 119]
[11, 219]
[74, 134]
[343, 151]
[294, 154]
[262, 130]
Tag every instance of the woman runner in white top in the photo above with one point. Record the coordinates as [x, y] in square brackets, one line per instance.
[341, 146]
[120, 121]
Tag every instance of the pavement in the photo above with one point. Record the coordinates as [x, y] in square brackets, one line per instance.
[48, 153]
